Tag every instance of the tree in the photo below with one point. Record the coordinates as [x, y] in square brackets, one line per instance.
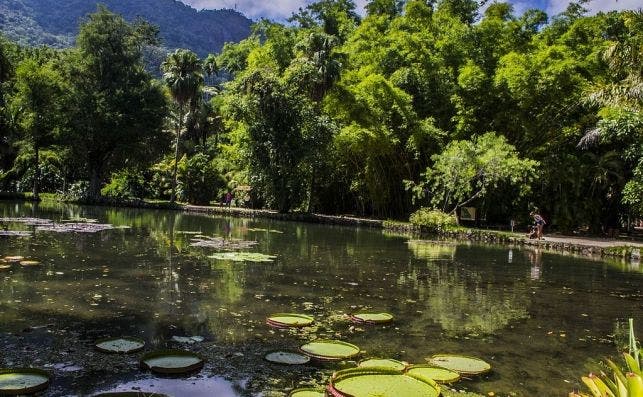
[38, 105]
[619, 101]
[118, 112]
[281, 135]
[468, 170]
[183, 74]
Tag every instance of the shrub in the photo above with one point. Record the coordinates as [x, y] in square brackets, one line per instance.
[125, 184]
[199, 180]
[433, 221]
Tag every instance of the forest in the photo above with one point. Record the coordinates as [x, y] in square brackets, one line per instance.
[418, 104]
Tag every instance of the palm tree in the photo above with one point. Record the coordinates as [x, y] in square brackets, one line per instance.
[183, 74]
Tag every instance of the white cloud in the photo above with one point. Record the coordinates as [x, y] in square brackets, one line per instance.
[280, 10]
[557, 6]
[255, 9]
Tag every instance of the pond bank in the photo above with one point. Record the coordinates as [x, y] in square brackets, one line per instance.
[587, 246]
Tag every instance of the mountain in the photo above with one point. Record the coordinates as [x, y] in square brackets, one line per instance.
[55, 22]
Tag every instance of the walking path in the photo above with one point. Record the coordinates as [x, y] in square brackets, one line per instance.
[593, 241]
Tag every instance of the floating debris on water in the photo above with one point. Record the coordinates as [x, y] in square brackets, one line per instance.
[14, 233]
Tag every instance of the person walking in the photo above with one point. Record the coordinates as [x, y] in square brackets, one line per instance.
[540, 223]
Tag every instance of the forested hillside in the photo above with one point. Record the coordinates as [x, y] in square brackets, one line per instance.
[417, 105]
[55, 22]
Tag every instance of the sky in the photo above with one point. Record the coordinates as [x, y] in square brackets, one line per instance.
[280, 10]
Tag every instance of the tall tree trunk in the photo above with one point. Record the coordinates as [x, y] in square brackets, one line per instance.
[36, 179]
[94, 182]
[176, 154]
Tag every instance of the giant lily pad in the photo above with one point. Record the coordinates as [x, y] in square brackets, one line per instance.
[440, 375]
[284, 320]
[464, 365]
[120, 345]
[288, 358]
[29, 263]
[172, 361]
[4, 266]
[372, 318]
[387, 363]
[14, 258]
[16, 381]
[371, 382]
[330, 350]
[243, 257]
[307, 392]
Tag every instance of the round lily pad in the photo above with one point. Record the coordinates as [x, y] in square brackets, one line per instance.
[288, 358]
[172, 361]
[372, 318]
[387, 363]
[307, 392]
[29, 263]
[440, 375]
[4, 266]
[464, 365]
[289, 320]
[15, 258]
[330, 350]
[16, 381]
[367, 382]
[120, 345]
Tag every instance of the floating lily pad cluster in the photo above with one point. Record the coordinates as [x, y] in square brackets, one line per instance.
[221, 243]
[76, 225]
[243, 257]
[256, 229]
[382, 377]
[14, 233]
[7, 262]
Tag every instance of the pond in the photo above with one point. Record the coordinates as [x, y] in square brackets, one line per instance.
[541, 319]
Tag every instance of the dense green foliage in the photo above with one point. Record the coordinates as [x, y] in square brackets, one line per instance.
[419, 104]
[433, 221]
[55, 22]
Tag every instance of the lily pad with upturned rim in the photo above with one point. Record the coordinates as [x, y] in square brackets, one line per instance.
[122, 345]
[17, 381]
[172, 361]
[307, 392]
[4, 266]
[438, 374]
[372, 318]
[368, 382]
[464, 365]
[387, 363]
[287, 358]
[330, 350]
[285, 320]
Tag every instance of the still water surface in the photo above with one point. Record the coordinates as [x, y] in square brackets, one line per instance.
[540, 319]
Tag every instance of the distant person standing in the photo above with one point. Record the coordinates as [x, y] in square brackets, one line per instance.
[539, 221]
[228, 199]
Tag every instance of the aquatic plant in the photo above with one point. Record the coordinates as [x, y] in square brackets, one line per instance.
[620, 383]
[243, 257]
[221, 243]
